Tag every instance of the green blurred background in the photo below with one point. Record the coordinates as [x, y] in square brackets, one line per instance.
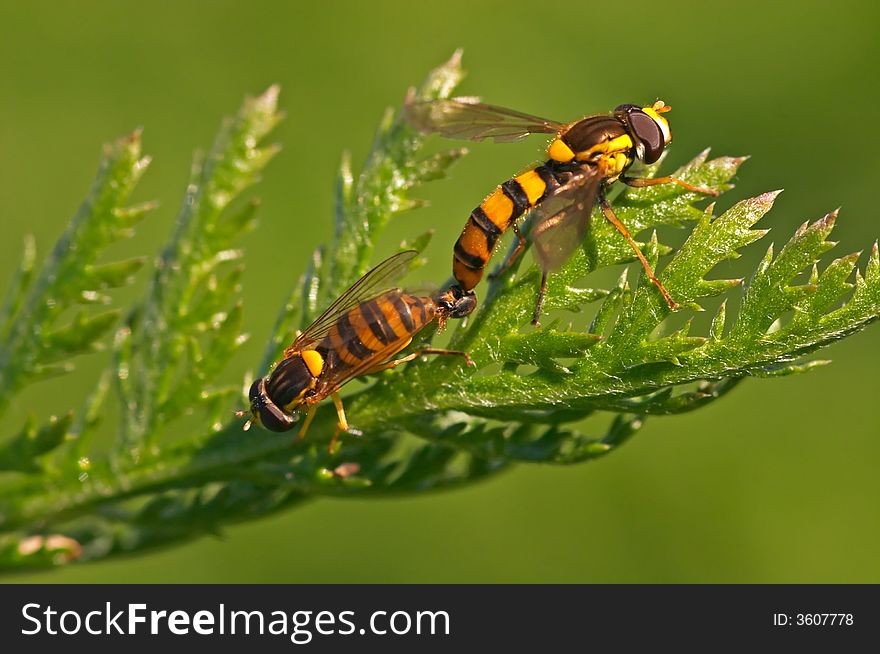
[776, 483]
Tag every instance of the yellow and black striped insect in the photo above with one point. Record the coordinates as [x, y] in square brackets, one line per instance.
[357, 335]
[584, 158]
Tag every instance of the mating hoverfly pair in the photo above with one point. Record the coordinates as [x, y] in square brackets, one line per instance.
[369, 324]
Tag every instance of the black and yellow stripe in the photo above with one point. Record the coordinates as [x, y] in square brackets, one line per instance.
[496, 214]
[383, 324]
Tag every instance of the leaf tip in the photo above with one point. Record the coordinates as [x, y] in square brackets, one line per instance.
[769, 197]
[269, 97]
[29, 249]
[134, 136]
[827, 221]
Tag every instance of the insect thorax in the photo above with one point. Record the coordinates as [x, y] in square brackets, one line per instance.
[591, 133]
[289, 381]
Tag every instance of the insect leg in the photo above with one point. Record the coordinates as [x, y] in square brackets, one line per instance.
[444, 352]
[342, 424]
[310, 414]
[639, 182]
[514, 255]
[620, 227]
[539, 303]
[414, 355]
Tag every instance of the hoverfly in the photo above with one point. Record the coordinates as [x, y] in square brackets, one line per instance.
[357, 335]
[585, 157]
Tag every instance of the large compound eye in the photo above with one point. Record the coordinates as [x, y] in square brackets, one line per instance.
[464, 306]
[648, 133]
[273, 419]
[265, 410]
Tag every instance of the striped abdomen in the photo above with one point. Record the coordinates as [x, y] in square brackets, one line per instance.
[496, 214]
[385, 324]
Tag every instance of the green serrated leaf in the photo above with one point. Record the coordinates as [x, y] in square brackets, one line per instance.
[35, 305]
[436, 166]
[239, 223]
[539, 348]
[825, 290]
[79, 336]
[716, 329]
[769, 293]
[433, 423]
[187, 290]
[19, 287]
[419, 243]
[114, 275]
[21, 451]
[786, 369]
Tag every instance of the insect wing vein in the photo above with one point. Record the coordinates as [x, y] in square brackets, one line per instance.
[336, 379]
[467, 118]
[374, 283]
[560, 222]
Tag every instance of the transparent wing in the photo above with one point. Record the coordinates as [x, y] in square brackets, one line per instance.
[375, 282]
[561, 221]
[335, 379]
[468, 118]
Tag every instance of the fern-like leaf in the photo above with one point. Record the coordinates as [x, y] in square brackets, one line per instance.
[616, 352]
